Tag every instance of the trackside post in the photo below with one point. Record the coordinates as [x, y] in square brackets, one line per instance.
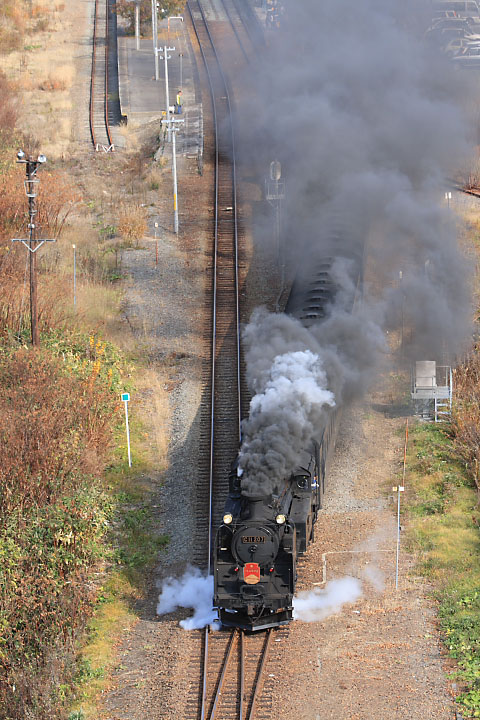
[126, 400]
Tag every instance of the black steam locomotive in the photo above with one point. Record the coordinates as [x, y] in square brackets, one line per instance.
[257, 545]
[260, 539]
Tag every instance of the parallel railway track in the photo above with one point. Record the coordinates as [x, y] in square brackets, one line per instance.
[100, 131]
[246, 27]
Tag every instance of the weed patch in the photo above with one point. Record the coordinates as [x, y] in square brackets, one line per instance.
[444, 530]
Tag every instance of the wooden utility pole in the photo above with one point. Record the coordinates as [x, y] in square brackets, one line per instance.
[31, 170]
[31, 243]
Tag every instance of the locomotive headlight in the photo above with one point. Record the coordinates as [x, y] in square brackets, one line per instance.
[227, 519]
[280, 519]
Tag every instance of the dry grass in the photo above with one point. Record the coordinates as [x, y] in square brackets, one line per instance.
[154, 174]
[60, 80]
[132, 222]
[153, 385]
[40, 58]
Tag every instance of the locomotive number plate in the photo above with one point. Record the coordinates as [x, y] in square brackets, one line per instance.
[253, 539]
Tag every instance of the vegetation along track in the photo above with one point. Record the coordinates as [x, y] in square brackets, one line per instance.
[99, 84]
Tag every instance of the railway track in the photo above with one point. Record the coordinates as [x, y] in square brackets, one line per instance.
[240, 679]
[100, 131]
[468, 190]
[240, 29]
[224, 413]
[247, 24]
[227, 668]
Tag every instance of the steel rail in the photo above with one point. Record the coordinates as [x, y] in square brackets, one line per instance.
[259, 680]
[214, 295]
[237, 691]
[242, 674]
[92, 79]
[251, 23]
[225, 665]
[107, 48]
[94, 89]
[235, 30]
[250, 26]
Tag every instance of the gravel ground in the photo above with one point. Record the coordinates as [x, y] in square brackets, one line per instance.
[379, 657]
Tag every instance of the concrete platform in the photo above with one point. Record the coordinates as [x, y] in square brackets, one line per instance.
[142, 98]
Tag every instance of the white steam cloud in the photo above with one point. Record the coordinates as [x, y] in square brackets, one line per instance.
[315, 605]
[193, 590]
[289, 406]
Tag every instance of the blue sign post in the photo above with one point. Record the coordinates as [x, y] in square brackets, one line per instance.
[126, 400]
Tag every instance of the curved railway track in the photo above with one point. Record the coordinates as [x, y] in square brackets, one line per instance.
[100, 132]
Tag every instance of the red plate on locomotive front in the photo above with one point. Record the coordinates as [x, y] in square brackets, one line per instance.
[251, 573]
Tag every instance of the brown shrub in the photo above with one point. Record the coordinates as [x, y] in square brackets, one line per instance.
[8, 108]
[52, 83]
[49, 422]
[466, 413]
[12, 25]
[132, 222]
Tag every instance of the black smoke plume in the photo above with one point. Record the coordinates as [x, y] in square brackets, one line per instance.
[367, 121]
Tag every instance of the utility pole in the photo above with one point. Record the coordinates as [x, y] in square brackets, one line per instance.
[31, 243]
[155, 35]
[74, 275]
[275, 193]
[137, 24]
[172, 126]
[166, 57]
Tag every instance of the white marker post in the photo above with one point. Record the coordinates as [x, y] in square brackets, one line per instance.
[126, 400]
[398, 489]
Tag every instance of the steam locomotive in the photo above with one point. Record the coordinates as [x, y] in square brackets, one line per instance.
[260, 539]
